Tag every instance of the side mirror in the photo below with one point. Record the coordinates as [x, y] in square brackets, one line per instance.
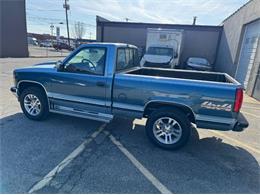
[58, 65]
[176, 55]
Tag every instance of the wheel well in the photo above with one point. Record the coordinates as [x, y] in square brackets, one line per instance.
[160, 105]
[24, 85]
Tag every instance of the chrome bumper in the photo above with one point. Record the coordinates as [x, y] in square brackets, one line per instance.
[221, 123]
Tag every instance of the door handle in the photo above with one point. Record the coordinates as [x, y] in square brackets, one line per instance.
[100, 84]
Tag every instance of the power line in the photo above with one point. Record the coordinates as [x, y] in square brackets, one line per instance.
[45, 10]
[42, 19]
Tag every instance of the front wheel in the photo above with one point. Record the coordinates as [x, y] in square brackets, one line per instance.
[168, 129]
[34, 103]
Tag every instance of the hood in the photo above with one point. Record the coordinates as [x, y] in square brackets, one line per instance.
[199, 66]
[42, 67]
[157, 58]
[46, 63]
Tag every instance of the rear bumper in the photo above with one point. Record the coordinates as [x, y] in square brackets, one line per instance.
[241, 124]
[224, 124]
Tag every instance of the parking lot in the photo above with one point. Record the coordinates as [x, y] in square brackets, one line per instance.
[70, 155]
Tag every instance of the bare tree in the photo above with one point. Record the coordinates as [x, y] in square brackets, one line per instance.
[79, 30]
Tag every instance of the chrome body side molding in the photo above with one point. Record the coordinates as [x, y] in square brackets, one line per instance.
[82, 113]
[76, 99]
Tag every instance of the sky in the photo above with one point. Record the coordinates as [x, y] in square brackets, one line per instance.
[40, 14]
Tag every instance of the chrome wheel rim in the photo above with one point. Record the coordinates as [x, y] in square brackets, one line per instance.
[32, 104]
[167, 130]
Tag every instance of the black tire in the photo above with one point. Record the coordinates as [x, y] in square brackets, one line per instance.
[178, 116]
[40, 94]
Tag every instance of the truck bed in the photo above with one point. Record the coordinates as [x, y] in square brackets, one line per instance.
[184, 74]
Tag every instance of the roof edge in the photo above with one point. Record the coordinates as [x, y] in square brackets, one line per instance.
[155, 24]
[235, 12]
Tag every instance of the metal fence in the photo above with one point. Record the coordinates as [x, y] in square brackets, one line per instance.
[37, 51]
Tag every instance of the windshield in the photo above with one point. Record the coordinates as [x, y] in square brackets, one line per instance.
[162, 51]
[201, 61]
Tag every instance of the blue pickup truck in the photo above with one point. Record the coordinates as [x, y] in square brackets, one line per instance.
[103, 80]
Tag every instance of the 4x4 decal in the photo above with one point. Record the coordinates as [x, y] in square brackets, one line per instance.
[210, 105]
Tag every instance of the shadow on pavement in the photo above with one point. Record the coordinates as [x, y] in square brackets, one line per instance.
[30, 149]
[206, 165]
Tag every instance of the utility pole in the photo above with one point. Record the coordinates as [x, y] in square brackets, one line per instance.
[52, 27]
[194, 20]
[66, 6]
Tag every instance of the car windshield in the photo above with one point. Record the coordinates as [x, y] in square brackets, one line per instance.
[162, 51]
[201, 61]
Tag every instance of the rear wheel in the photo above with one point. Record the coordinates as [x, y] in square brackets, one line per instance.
[33, 102]
[168, 129]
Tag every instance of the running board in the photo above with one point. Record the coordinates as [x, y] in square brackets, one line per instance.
[82, 113]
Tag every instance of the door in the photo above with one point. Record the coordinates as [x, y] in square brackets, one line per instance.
[81, 86]
[248, 52]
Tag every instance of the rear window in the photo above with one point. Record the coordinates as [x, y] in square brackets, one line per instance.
[126, 58]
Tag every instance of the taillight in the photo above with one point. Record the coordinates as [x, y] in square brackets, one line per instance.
[238, 100]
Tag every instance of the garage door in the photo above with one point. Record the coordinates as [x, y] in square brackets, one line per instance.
[256, 92]
[248, 52]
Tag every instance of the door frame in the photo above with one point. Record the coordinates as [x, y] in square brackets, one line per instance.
[72, 99]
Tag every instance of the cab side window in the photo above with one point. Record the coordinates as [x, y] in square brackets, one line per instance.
[121, 59]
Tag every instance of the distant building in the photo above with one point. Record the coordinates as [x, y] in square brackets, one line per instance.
[198, 40]
[239, 51]
[13, 35]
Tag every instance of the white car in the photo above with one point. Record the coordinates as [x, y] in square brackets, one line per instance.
[45, 44]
